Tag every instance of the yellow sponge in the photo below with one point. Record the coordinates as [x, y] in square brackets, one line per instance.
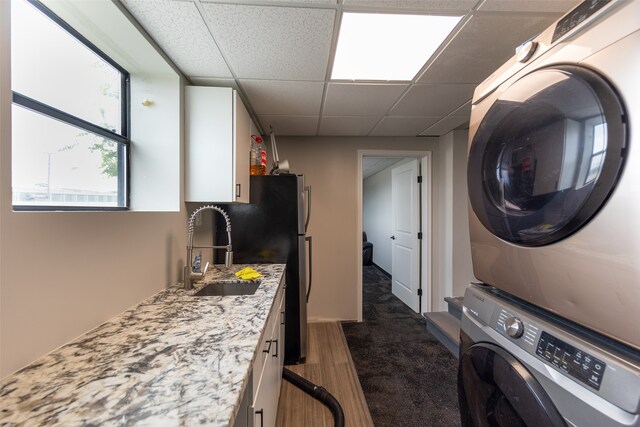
[248, 274]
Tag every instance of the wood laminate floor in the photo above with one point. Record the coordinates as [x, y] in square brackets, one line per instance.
[328, 365]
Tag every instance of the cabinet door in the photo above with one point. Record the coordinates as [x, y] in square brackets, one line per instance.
[218, 142]
[242, 147]
[269, 378]
[209, 144]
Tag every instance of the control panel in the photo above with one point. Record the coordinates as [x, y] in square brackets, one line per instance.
[575, 362]
[565, 357]
[578, 15]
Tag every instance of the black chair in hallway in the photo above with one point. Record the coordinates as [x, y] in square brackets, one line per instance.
[367, 250]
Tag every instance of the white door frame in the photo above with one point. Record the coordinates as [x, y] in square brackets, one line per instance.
[426, 272]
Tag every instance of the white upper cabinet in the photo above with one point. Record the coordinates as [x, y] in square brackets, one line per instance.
[218, 144]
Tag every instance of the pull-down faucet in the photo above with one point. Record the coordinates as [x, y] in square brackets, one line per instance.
[189, 275]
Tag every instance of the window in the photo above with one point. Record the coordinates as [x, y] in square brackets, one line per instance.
[598, 151]
[70, 117]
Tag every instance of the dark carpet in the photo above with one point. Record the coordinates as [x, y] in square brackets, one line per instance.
[407, 376]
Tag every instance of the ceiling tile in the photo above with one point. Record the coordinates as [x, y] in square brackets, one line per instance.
[424, 5]
[558, 6]
[433, 100]
[346, 125]
[283, 43]
[373, 165]
[284, 2]
[403, 126]
[445, 125]
[211, 81]
[290, 125]
[485, 43]
[179, 30]
[284, 98]
[354, 99]
[464, 110]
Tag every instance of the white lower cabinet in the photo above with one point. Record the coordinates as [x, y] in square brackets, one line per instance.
[267, 370]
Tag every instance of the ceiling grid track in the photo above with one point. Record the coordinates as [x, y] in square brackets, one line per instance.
[458, 28]
[243, 95]
[332, 51]
[279, 55]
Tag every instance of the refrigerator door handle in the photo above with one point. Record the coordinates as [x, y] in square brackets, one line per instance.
[310, 240]
[306, 223]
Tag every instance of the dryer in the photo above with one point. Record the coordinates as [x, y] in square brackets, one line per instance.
[554, 171]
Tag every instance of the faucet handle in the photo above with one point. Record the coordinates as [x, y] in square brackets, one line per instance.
[206, 267]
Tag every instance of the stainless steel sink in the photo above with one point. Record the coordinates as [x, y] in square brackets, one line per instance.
[228, 288]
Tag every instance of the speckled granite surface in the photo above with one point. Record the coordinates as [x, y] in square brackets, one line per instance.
[173, 359]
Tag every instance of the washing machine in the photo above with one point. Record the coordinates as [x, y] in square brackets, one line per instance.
[523, 366]
[554, 171]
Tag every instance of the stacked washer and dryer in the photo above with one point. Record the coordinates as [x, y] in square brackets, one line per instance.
[551, 337]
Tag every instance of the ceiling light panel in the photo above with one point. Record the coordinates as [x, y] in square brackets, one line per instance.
[384, 47]
[422, 5]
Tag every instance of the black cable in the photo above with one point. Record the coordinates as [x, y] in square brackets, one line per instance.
[317, 392]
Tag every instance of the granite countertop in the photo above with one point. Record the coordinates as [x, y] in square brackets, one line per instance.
[174, 359]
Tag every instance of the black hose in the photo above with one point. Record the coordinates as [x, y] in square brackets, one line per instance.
[317, 392]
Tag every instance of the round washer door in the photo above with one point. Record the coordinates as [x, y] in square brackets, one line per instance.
[547, 155]
[496, 390]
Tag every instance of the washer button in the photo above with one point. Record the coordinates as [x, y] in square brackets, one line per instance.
[514, 327]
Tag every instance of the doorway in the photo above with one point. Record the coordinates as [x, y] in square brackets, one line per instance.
[391, 183]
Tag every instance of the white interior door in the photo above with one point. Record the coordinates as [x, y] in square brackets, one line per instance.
[405, 252]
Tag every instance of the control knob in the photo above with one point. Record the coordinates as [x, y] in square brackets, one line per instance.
[514, 327]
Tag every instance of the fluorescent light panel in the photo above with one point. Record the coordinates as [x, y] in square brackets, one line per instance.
[376, 46]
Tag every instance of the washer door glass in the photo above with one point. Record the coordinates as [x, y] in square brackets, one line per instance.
[547, 155]
[495, 389]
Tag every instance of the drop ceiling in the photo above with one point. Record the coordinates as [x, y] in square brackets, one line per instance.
[278, 54]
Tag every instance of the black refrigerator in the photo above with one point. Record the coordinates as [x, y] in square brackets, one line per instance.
[272, 229]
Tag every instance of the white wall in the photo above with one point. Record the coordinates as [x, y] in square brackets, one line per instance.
[63, 273]
[330, 167]
[376, 216]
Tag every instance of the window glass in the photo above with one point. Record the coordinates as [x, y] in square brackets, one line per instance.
[69, 118]
[55, 164]
[50, 65]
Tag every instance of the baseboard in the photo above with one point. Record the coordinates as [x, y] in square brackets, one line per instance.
[381, 270]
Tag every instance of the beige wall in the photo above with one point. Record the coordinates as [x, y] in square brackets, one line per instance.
[63, 273]
[461, 250]
[330, 167]
[456, 247]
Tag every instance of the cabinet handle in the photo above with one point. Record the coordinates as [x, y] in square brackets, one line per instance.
[268, 349]
[238, 190]
[282, 314]
[276, 342]
[261, 412]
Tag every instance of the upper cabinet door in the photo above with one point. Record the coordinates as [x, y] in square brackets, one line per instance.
[217, 146]
[242, 149]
